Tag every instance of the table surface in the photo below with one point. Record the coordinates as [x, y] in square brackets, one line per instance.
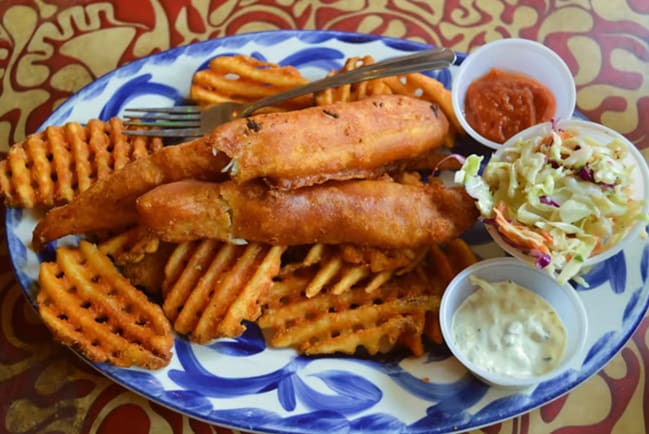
[48, 50]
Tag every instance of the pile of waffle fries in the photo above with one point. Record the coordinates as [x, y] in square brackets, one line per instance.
[119, 297]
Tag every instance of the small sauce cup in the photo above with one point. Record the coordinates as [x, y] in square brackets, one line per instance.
[519, 56]
[563, 298]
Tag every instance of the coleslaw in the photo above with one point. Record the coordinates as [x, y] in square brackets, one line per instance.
[559, 198]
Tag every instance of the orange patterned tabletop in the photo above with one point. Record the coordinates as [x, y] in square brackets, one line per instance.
[50, 49]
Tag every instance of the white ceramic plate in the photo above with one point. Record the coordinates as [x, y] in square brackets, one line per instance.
[240, 383]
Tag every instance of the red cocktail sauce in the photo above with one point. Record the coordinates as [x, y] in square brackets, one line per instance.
[500, 104]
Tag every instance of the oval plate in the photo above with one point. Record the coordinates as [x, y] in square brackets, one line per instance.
[242, 384]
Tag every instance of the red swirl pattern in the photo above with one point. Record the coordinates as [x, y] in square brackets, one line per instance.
[48, 50]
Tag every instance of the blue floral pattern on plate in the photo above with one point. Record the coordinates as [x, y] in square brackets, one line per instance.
[243, 384]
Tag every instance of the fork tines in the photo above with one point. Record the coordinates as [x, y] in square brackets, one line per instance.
[178, 121]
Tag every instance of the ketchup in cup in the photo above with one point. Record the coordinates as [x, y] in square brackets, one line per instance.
[500, 104]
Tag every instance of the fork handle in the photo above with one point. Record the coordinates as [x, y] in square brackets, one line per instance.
[435, 58]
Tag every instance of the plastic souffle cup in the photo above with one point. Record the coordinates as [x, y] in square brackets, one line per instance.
[602, 134]
[563, 299]
[520, 56]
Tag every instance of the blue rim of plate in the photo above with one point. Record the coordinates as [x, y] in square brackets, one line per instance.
[331, 394]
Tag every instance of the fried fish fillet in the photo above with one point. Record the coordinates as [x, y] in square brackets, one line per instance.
[291, 149]
[343, 140]
[415, 84]
[378, 213]
[110, 202]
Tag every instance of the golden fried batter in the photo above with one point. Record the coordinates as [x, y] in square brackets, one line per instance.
[339, 141]
[376, 213]
[110, 202]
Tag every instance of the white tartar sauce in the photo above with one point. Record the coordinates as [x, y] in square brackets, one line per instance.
[508, 329]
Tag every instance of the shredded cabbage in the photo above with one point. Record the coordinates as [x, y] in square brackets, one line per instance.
[474, 185]
[560, 198]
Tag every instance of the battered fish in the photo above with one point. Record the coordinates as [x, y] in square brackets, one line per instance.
[110, 202]
[344, 140]
[378, 213]
[290, 149]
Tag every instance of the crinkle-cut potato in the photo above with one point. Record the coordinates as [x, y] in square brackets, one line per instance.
[140, 256]
[130, 245]
[329, 323]
[88, 305]
[51, 167]
[210, 287]
[245, 79]
[399, 312]
[416, 85]
[148, 273]
[397, 260]
[338, 268]
[352, 91]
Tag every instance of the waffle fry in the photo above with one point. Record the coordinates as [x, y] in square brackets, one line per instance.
[353, 91]
[399, 312]
[90, 307]
[131, 245]
[211, 287]
[339, 268]
[140, 256]
[460, 254]
[148, 273]
[245, 79]
[399, 260]
[52, 167]
[454, 257]
[329, 323]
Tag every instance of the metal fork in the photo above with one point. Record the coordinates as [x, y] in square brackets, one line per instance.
[192, 121]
